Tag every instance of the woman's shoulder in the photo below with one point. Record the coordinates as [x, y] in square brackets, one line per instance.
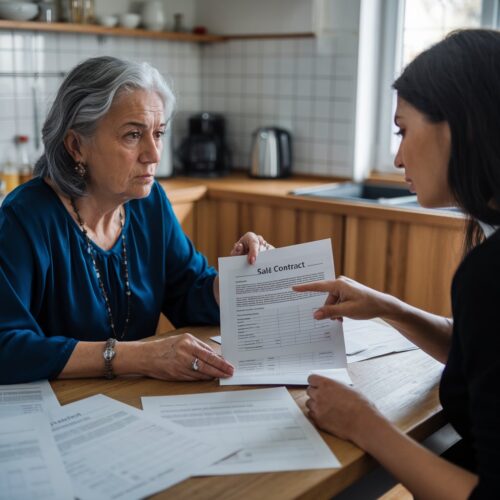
[33, 198]
[482, 263]
[31, 213]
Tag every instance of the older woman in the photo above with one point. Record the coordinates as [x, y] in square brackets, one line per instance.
[91, 251]
[448, 117]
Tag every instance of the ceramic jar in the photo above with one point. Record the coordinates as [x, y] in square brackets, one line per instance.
[153, 16]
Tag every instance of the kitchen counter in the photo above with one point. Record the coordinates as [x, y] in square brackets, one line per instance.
[275, 192]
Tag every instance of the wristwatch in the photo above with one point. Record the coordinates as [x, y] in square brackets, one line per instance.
[108, 354]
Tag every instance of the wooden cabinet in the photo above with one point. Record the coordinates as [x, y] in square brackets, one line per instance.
[412, 261]
[223, 222]
[412, 255]
[433, 254]
[317, 225]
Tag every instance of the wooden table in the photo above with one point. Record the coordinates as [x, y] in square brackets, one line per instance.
[403, 386]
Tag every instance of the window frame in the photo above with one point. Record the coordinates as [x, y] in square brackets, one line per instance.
[391, 43]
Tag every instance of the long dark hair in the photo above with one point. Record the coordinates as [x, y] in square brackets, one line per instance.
[458, 81]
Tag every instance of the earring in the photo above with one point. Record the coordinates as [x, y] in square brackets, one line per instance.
[80, 169]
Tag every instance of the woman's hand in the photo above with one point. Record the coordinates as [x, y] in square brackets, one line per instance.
[340, 410]
[184, 357]
[347, 297]
[250, 244]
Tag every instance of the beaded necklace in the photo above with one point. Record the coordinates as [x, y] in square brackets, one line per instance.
[91, 252]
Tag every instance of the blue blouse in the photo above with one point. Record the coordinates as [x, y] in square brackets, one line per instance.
[49, 293]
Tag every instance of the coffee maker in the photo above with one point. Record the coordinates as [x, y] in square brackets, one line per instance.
[203, 153]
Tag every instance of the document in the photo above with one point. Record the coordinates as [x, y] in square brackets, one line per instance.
[266, 425]
[365, 339]
[112, 450]
[22, 399]
[268, 330]
[30, 463]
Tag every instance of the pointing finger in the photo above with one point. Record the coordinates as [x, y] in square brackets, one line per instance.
[315, 286]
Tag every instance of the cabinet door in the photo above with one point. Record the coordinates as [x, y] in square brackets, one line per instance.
[185, 212]
[280, 226]
[207, 228]
[228, 226]
[433, 256]
[366, 251]
[312, 226]
[228, 220]
[277, 225]
[414, 262]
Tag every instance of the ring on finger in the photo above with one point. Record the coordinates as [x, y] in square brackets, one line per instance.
[195, 365]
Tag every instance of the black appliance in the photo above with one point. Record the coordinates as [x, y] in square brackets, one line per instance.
[204, 152]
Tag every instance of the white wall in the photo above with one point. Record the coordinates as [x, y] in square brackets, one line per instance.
[255, 16]
[26, 52]
[332, 16]
[170, 7]
[288, 83]
[307, 86]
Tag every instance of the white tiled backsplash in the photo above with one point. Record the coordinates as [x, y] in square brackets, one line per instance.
[284, 83]
[288, 84]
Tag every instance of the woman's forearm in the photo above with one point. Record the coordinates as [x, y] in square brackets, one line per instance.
[87, 360]
[425, 474]
[430, 332]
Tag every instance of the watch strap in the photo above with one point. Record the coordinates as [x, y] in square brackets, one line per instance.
[108, 355]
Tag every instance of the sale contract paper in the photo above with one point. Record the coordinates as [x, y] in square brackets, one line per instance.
[265, 425]
[268, 330]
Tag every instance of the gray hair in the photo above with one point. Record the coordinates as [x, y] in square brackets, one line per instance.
[84, 97]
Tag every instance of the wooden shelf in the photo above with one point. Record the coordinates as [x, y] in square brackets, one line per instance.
[93, 29]
[268, 36]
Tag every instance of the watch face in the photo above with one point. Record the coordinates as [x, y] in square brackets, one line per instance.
[109, 354]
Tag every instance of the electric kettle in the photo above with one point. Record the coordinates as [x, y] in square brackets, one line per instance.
[271, 153]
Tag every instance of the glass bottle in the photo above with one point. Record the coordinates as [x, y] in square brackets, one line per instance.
[76, 11]
[10, 176]
[178, 25]
[88, 11]
[63, 8]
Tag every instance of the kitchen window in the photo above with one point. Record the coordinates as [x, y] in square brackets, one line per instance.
[409, 27]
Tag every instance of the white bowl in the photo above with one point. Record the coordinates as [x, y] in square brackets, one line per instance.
[108, 21]
[130, 20]
[18, 11]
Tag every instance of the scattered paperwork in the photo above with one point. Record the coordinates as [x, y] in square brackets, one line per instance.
[265, 425]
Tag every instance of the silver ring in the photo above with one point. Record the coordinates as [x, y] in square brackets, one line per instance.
[195, 365]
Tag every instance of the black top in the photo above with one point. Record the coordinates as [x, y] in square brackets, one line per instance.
[470, 386]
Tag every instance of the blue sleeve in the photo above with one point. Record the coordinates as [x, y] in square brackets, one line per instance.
[189, 297]
[26, 353]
